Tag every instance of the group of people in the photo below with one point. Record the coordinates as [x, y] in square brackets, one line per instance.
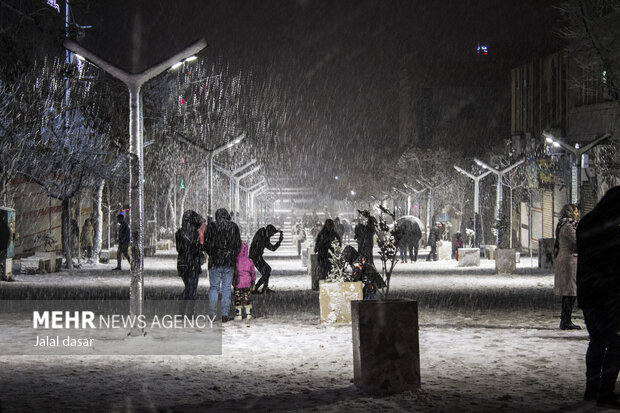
[360, 261]
[231, 262]
[586, 271]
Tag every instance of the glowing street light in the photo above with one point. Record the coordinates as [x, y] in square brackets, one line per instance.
[577, 159]
[134, 83]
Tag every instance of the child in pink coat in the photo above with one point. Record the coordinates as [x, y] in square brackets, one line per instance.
[244, 279]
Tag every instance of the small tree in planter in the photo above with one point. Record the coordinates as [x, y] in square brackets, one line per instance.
[386, 353]
[338, 290]
[338, 271]
[387, 241]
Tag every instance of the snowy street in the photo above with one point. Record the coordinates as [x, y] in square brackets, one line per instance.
[487, 343]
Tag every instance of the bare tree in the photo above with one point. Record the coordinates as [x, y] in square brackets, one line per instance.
[70, 147]
[592, 31]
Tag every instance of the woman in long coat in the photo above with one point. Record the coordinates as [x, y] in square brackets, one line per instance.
[565, 260]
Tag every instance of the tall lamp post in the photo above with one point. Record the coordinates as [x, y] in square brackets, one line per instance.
[231, 174]
[134, 83]
[249, 193]
[211, 152]
[238, 186]
[500, 175]
[430, 201]
[577, 154]
[417, 192]
[476, 196]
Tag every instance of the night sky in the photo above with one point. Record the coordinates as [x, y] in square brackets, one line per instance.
[340, 59]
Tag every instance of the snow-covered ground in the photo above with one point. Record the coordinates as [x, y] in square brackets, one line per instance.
[487, 343]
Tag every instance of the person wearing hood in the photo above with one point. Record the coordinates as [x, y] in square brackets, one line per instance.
[323, 245]
[434, 237]
[598, 295]
[223, 243]
[364, 235]
[245, 277]
[189, 248]
[260, 241]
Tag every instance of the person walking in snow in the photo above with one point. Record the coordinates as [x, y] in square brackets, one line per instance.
[300, 233]
[339, 227]
[222, 243]
[189, 242]
[124, 238]
[323, 245]
[565, 263]
[364, 235]
[260, 241]
[87, 239]
[401, 241]
[434, 236]
[457, 242]
[243, 281]
[598, 295]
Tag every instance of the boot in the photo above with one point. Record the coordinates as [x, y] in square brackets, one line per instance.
[238, 315]
[248, 312]
[567, 312]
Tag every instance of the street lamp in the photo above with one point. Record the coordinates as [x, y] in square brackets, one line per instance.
[134, 83]
[500, 175]
[577, 154]
[231, 175]
[238, 186]
[476, 196]
[249, 193]
[429, 200]
[417, 192]
[211, 152]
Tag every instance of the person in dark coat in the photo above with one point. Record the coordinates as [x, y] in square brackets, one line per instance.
[189, 248]
[339, 227]
[598, 295]
[222, 243]
[323, 245]
[363, 271]
[457, 242]
[412, 235]
[565, 264]
[364, 235]
[260, 241]
[433, 237]
[124, 238]
[401, 240]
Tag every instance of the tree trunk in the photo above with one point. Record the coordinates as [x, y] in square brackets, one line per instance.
[66, 232]
[98, 221]
[173, 213]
